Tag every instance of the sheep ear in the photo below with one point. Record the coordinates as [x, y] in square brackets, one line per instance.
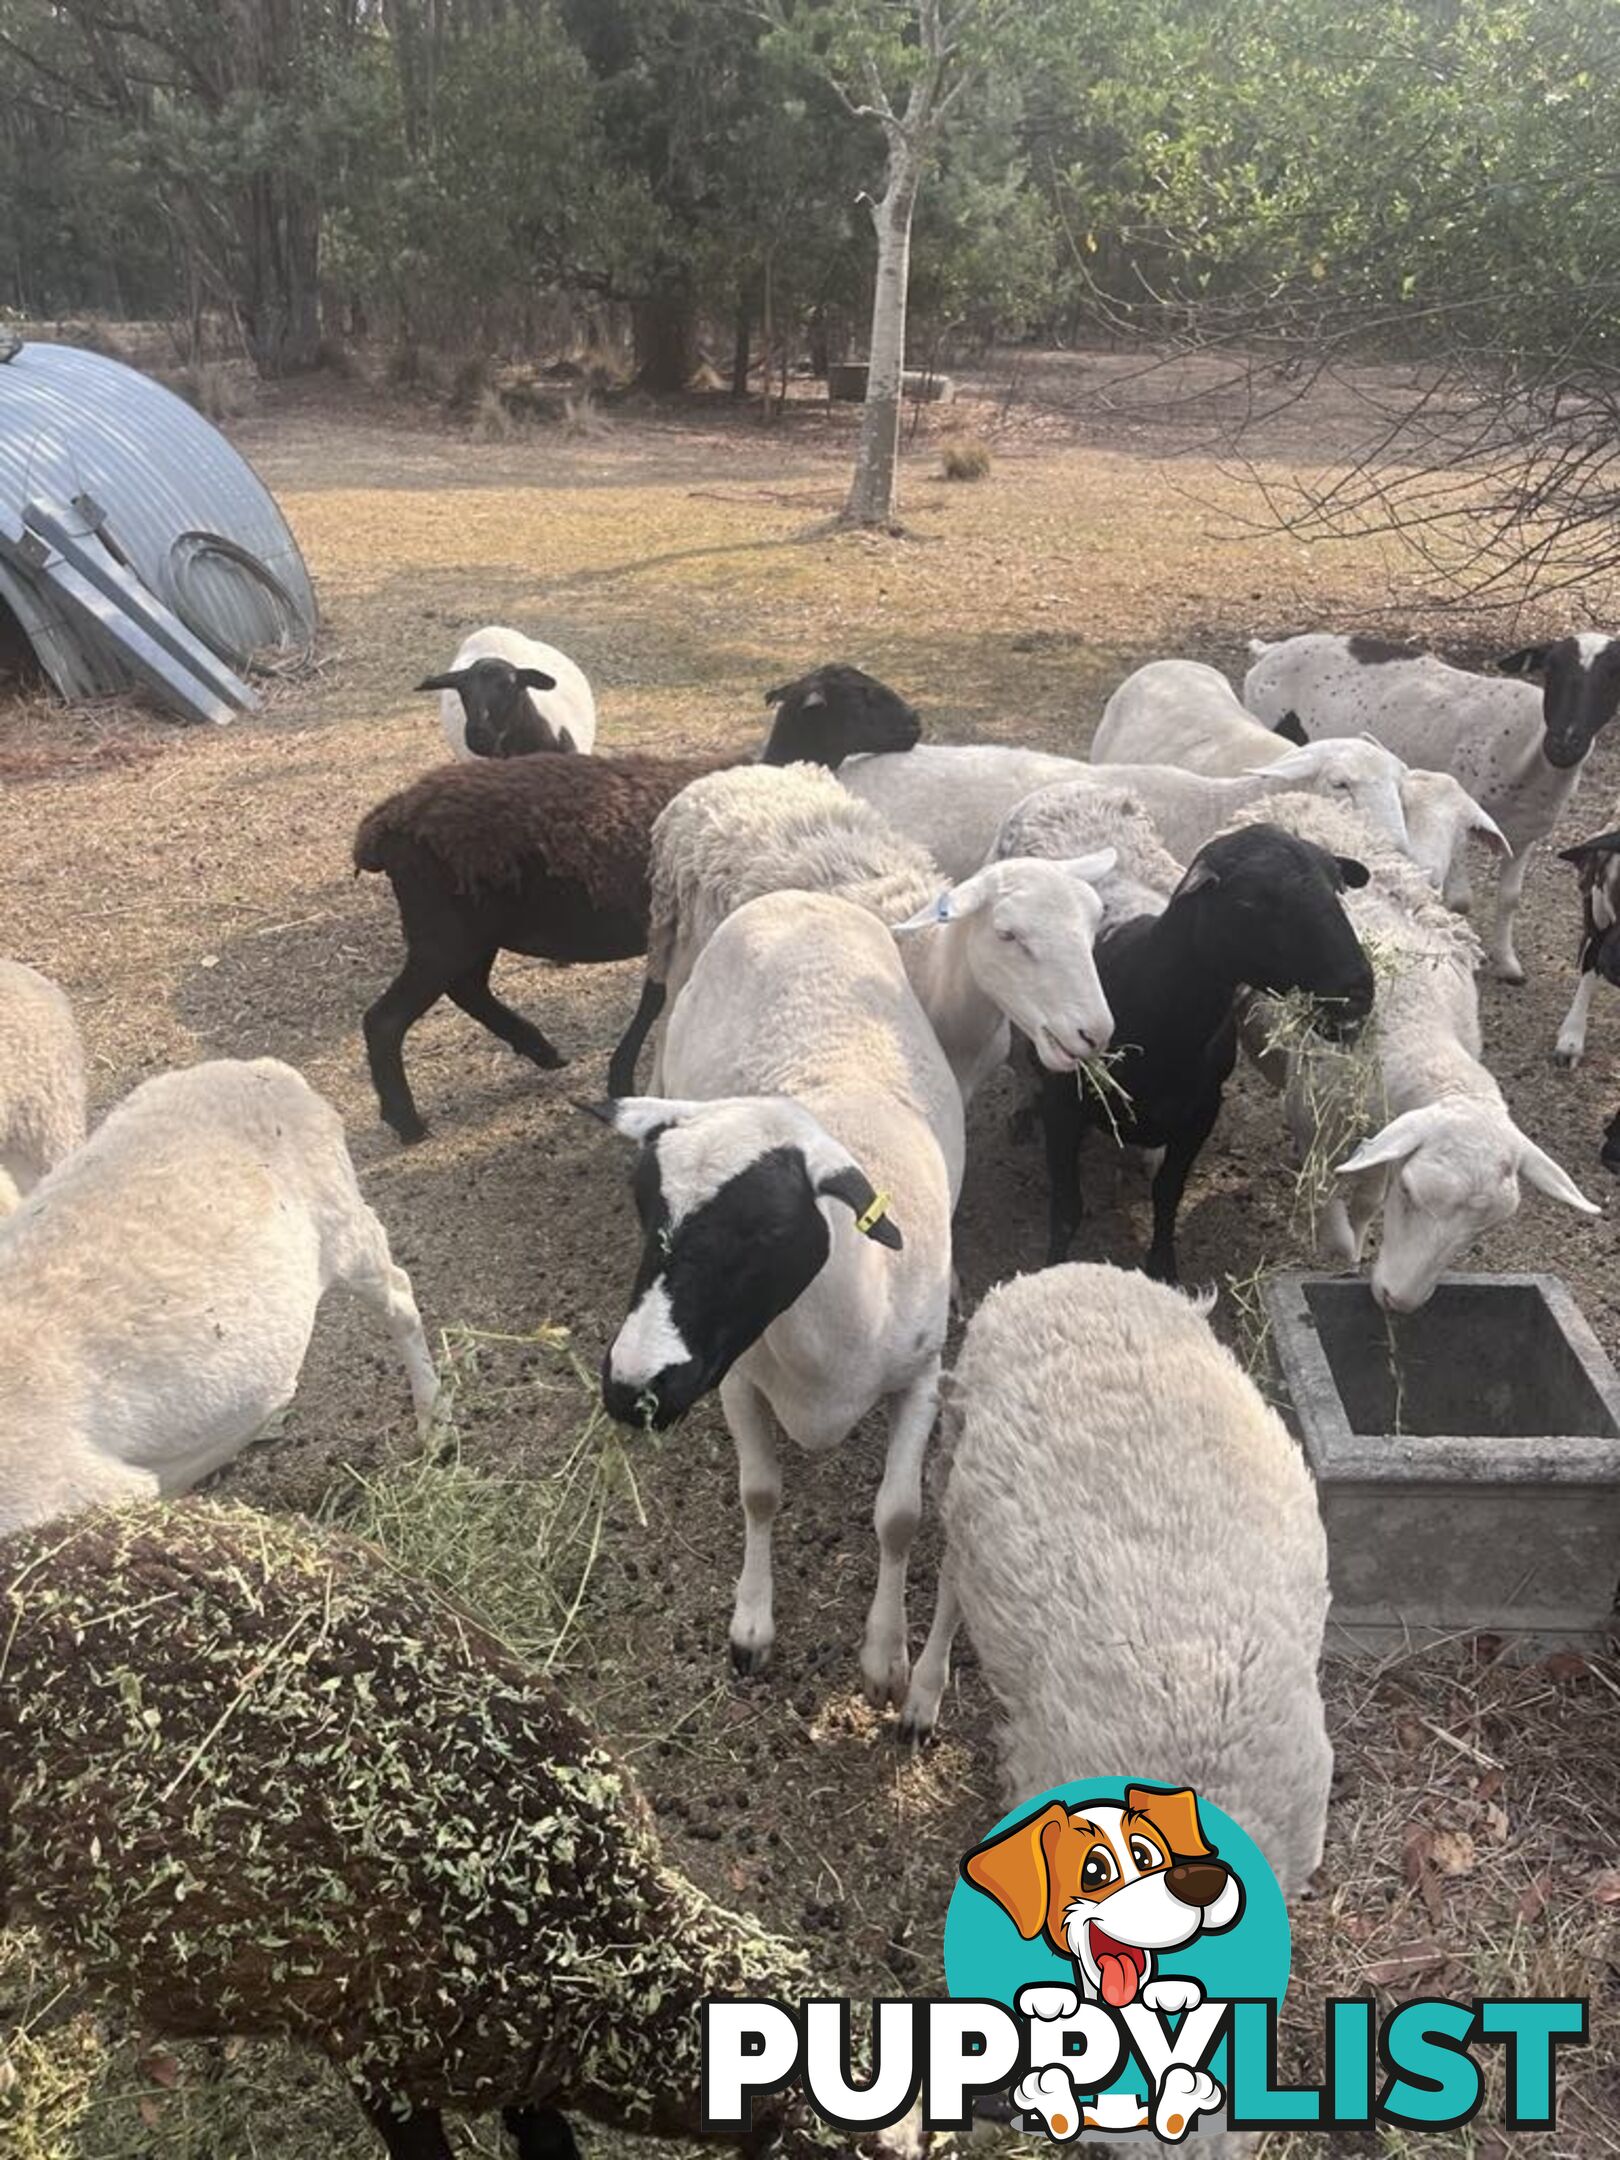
[812, 700]
[1355, 874]
[1295, 766]
[1088, 868]
[1199, 874]
[639, 1117]
[1605, 844]
[775, 697]
[1485, 825]
[1401, 1137]
[1528, 660]
[534, 678]
[1546, 1176]
[957, 900]
[452, 679]
[869, 1207]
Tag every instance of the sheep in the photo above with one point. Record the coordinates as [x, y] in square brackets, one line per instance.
[1084, 816]
[1133, 1542]
[1251, 915]
[952, 798]
[42, 1089]
[1598, 864]
[548, 856]
[1518, 754]
[394, 1843]
[160, 1287]
[1447, 1163]
[1011, 944]
[507, 695]
[807, 1090]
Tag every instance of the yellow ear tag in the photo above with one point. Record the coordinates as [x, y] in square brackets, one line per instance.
[866, 1223]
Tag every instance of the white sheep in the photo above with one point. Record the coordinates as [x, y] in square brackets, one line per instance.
[810, 1102]
[1132, 1540]
[160, 1286]
[1447, 1163]
[1010, 946]
[507, 695]
[1180, 712]
[951, 798]
[1085, 817]
[42, 1089]
[1517, 751]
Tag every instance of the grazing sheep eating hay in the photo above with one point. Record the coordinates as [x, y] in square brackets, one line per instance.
[254, 1780]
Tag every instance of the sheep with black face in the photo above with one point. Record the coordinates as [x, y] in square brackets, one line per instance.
[506, 695]
[795, 1189]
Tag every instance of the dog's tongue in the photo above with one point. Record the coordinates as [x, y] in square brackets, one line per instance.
[1118, 1976]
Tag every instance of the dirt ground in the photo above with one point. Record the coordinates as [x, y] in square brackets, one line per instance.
[192, 891]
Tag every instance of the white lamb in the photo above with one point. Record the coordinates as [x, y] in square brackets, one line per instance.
[42, 1090]
[810, 1103]
[159, 1287]
[1180, 712]
[1009, 947]
[1132, 1540]
[507, 695]
[1446, 1166]
[1518, 751]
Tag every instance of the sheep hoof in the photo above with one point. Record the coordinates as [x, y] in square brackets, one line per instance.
[1508, 971]
[408, 1131]
[547, 1056]
[1566, 1057]
[915, 1729]
[748, 1660]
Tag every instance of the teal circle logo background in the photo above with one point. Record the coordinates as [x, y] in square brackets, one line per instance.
[985, 1954]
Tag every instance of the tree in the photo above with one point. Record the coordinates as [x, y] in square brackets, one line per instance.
[906, 65]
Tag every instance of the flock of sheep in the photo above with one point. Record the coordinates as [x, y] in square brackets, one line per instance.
[252, 1780]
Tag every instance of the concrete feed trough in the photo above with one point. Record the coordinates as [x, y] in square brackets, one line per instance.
[1467, 1456]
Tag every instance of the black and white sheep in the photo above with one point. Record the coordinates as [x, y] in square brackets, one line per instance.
[1597, 863]
[42, 1086]
[548, 856]
[506, 695]
[1262, 913]
[160, 1287]
[1448, 1162]
[1133, 1543]
[1009, 946]
[1518, 751]
[807, 1093]
[255, 1780]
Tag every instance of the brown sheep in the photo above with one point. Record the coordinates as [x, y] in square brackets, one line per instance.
[549, 857]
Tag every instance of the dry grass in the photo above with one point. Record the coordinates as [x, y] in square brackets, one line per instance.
[965, 457]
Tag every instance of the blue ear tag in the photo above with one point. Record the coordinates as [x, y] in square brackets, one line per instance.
[942, 908]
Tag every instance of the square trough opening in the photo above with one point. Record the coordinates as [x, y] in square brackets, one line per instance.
[1482, 1359]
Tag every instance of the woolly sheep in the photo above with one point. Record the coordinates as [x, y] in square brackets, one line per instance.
[548, 856]
[952, 798]
[1116, 1480]
[807, 1093]
[42, 1092]
[1180, 712]
[1517, 752]
[1011, 944]
[507, 695]
[1446, 1165]
[396, 1844]
[160, 1287]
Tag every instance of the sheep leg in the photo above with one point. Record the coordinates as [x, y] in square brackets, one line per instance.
[1169, 1185]
[377, 1279]
[1571, 1046]
[417, 2136]
[932, 1675]
[1509, 885]
[541, 2134]
[885, 1662]
[759, 1482]
[622, 1064]
[478, 1001]
[414, 989]
[1063, 1127]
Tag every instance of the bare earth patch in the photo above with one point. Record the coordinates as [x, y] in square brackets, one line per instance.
[192, 890]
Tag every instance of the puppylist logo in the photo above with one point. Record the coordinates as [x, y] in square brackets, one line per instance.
[1116, 1955]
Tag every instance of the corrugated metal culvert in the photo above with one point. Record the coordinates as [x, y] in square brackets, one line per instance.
[137, 548]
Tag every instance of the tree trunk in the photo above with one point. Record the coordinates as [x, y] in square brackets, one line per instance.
[663, 335]
[741, 335]
[873, 493]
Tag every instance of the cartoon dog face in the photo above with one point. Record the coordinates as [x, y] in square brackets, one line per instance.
[1108, 1885]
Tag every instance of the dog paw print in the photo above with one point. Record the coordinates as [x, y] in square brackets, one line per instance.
[1049, 2093]
[1184, 2095]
